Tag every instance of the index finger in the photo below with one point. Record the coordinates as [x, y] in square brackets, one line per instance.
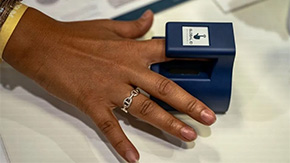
[153, 51]
[169, 92]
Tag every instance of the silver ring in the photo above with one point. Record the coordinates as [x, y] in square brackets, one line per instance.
[128, 100]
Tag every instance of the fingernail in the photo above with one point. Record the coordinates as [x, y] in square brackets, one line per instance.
[146, 14]
[131, 157]
[207, 116]
[188, 133]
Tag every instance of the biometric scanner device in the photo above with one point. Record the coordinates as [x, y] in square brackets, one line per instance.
[204, 55]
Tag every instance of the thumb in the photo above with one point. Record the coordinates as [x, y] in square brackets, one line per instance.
[132, 29]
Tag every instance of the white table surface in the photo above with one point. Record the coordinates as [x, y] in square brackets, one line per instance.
[36, 127]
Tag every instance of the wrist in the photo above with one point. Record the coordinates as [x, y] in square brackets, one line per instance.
[32, 34]
[11, 13]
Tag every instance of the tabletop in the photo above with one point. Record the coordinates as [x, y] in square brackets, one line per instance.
[37, 127]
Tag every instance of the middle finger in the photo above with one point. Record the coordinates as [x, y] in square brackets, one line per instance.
[169, 92]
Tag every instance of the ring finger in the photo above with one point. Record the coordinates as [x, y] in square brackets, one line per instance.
[144, 108]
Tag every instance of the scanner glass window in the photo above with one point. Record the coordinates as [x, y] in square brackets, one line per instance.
[196, 68]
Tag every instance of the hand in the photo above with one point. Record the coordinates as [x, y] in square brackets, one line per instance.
[94, 65]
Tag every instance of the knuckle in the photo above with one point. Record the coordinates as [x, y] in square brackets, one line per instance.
[87, 100]
[164, 86]
[138, 26]
[78, 104]
[129, 45]
[42, 81]
[118, 144]
[45, 83]
[107, 126]
[171, 123]
[146, 107]
[84, 100]
[191, 106]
